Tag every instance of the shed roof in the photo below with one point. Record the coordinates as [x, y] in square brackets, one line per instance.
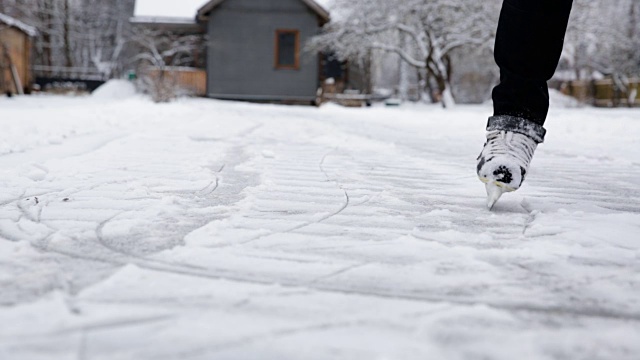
[175, 25]
[212, 4]
[178, 11]
[147, 20]
[185, 11]
[11, 22]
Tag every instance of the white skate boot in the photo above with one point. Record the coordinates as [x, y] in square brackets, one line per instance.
[504, 162]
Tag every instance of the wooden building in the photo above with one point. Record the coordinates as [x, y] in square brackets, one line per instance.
[253, 49]
[15, 55]
[256, 49]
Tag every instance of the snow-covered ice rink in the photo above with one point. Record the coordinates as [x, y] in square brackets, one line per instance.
[204, 229]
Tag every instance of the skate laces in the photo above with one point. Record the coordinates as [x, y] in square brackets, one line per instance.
[515, 145]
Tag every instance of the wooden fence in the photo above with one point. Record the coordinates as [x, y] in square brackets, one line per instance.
[604, 93]
[192, 81]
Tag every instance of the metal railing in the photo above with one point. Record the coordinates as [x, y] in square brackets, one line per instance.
[63, 72]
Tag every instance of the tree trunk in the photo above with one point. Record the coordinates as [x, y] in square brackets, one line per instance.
[440, 68]
[448, 101]
[46, 16]
[445, 96]
[425, 86]
[444, 89]
[369, 72]
[67, 34]
[403, 84]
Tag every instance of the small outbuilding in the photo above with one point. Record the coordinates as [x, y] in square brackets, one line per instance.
[16, 39]
[254, 49]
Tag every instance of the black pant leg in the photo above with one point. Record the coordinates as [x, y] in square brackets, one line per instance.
[528, 47]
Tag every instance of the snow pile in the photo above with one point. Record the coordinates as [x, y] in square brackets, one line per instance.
[560, 100]
[115, 90]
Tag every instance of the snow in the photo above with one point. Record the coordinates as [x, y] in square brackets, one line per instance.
[560, 100]
[9, 21]
[204, 229]
[326, 4]
[168, 8]
[115, 90]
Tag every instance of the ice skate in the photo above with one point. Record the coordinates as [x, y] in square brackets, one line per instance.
[504, 162]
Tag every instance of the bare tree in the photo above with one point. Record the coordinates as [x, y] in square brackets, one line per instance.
[107, 29]
[430, 31]
[83, 34]
[159, 53]
[602, 38]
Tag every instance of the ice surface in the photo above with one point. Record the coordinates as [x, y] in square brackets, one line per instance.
[204, 229]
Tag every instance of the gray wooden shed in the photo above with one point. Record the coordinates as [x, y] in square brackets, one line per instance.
[255, 49]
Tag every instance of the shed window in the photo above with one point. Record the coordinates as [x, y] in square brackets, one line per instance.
[287, 49]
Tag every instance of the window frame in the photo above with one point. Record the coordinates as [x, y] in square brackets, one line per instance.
[277, 64]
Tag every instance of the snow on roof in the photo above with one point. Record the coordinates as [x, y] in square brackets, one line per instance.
[9, 21]
[204, 11]
[325, 3]
[185, 9]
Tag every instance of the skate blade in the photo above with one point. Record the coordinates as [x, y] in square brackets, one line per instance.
[495, 189]
[494, 192]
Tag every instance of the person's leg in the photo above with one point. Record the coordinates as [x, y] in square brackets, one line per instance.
[528, 46]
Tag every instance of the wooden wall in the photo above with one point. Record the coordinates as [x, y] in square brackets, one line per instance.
[242, 48]
[604, 92]
[190, 81]
[19, 48]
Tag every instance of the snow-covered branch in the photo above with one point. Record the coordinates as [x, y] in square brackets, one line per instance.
[401, 52]
[422, 33]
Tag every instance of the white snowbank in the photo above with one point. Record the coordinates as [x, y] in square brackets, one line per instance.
[560, 100]
[115, 90]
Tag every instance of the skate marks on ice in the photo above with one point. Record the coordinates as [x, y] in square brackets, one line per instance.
[367, 224]
[110, 205]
